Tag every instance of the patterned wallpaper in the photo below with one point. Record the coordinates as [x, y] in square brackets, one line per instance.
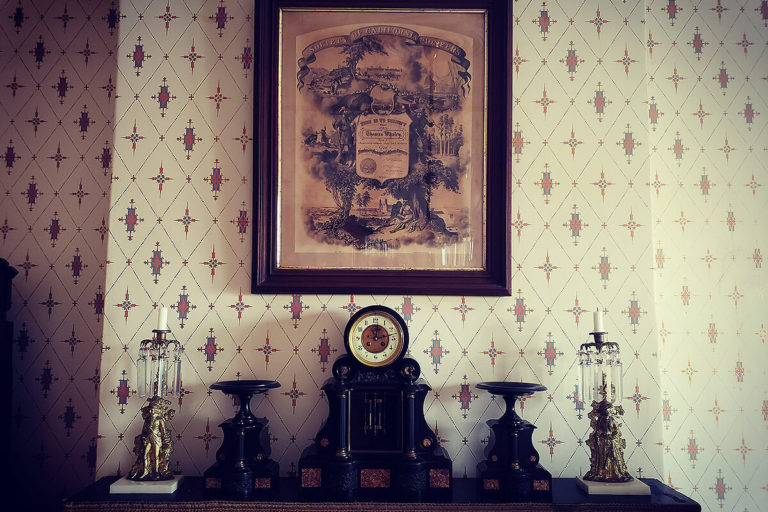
[57, 119]
[707, 76]
[639, 157]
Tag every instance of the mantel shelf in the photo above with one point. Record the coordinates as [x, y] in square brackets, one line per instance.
[566, 497]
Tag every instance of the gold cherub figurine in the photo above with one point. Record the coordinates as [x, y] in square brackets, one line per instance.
[154, 445]
[606, 444]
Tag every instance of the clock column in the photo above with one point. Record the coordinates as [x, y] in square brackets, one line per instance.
[411, 374]
[340, 476]
[342, 443]
[410, 431]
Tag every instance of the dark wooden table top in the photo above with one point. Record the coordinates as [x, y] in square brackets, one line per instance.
[566, 496]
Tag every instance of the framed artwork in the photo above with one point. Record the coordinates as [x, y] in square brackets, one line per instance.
[381, 163]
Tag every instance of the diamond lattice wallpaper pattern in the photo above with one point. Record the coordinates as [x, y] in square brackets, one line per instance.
[57, 98]
[639, 160]
[707, 75]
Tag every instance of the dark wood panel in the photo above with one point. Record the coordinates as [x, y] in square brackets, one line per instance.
[566, 497]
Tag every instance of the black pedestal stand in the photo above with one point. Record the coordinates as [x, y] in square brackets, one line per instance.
[243, 469]
[512, 471]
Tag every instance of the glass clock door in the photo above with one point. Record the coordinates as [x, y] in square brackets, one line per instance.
[376, 421]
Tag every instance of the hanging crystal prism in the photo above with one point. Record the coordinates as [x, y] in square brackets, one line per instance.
[142, 382]
[152, 371]
[177, 381]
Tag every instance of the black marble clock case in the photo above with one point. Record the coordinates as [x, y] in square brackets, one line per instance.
[375, 443]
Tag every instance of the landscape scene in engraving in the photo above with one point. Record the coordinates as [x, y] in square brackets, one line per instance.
[383, 129]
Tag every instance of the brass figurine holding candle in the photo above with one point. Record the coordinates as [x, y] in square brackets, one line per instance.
[158, 375]
[600, 380]
[153, 446]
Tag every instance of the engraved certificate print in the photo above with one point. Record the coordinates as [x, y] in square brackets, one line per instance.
[382, 141]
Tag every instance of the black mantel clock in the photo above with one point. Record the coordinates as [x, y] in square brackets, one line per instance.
[375, 443]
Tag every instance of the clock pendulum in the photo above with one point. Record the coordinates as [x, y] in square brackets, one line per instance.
[375, 443]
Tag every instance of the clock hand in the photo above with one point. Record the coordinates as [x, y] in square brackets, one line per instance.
[375, 334]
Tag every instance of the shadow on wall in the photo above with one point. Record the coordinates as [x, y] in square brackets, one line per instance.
[57, 119]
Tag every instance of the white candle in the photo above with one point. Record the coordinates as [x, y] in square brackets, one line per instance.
[162, 319]
[597, 317]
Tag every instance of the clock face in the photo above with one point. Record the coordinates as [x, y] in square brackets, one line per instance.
[376, 336]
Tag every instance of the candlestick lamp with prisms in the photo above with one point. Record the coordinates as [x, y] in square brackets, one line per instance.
[601, 383]
[158, 375]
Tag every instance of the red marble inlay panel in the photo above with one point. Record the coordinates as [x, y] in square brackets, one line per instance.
[440, 478]
[262, 483]
[374, 478]
[490, 484]
[311, 477]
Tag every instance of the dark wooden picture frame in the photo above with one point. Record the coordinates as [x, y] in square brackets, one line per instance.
[492, 280]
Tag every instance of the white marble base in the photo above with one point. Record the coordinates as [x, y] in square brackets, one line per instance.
[125, 486]
[632, 488]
